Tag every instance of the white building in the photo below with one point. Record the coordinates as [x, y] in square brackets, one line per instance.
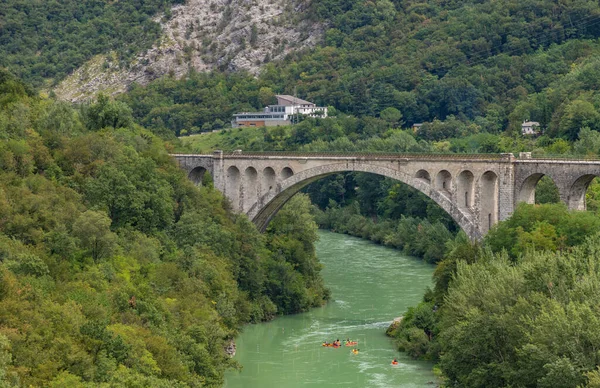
[280, 114]
[530, 128]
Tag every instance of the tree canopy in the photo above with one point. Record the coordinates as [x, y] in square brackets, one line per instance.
[115, 270]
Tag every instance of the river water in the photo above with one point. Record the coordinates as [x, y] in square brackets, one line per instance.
[370, 285]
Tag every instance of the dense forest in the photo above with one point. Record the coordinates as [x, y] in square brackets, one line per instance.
[114, 269]
[43, 41]
[518, 309]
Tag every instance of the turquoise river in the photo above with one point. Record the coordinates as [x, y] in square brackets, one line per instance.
[370, 286]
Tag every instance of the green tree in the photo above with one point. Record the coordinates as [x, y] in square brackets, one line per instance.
[578, 114]
[392, 116]
[546, 191]
[108, 114]
[92, 229]
[5, 360]
[266, 96]
[588, 143]
[506, 323]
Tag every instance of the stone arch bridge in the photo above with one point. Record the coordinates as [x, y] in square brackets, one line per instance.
[476, 190]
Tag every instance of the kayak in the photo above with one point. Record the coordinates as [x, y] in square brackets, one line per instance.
[351, 343]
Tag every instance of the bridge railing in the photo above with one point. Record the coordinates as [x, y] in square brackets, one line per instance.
[564, 157]
[383, 155]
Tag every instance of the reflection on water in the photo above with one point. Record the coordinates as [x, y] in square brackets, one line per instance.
[370, 286]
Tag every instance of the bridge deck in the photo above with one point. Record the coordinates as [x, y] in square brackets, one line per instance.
[504, 157]
[362, 155]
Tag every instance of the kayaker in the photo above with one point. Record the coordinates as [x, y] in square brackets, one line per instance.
[395, 362]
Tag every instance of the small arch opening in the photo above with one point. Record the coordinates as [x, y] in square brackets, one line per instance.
[443, 181]
[465, 186]
[286, 173]
[424, 176]
[250, 192]
[251, 174]
[489, 191]
[268, 180]
[196, 175]
[232, 187]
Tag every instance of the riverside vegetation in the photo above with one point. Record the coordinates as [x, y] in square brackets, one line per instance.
[114, 269]
[518, 310]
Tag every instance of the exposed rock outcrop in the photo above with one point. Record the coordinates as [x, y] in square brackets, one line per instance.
[231, 349]
[203, 34]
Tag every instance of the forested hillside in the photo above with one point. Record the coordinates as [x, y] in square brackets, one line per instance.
[487, 65]
[518, 309]
[114, 269]
[45, 40]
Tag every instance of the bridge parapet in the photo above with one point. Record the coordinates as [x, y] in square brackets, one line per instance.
[360, 155]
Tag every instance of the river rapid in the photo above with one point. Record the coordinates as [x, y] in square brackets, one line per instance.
[370, 286]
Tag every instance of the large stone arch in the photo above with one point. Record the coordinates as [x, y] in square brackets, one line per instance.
[526, 188]
[526, 192]
[576, 197]
[270, 203]
[196, 175]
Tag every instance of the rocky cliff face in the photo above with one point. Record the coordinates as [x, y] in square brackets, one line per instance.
[203, 34]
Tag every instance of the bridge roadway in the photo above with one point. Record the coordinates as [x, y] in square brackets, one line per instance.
[476, 190]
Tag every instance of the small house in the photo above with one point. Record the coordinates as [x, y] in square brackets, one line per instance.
[530, 128]
[280, 114]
